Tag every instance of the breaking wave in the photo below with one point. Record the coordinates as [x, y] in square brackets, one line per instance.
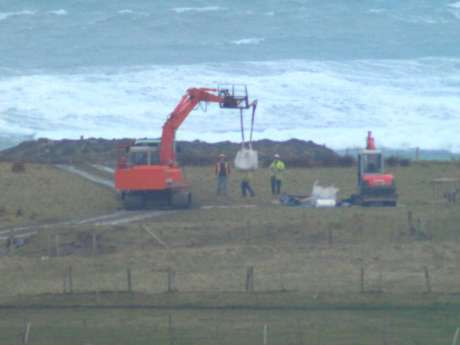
[406, 103]
[244, 41]
[60, 12]
[455, 4]
[197, 9]
[6, 15]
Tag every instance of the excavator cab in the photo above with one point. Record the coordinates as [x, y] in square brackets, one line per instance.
[370, 162]
[138, 153]
[233, 96]
[144, 152]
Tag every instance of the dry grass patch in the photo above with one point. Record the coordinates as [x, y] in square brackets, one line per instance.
[42, 193]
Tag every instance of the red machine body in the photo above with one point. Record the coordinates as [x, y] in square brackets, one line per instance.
[148, 178]
[375, 187]
[378, 180]
[147, 169]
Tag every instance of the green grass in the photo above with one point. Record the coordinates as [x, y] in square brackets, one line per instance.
[51, 327]
[210, 249]
[289, 247]
[45, 194]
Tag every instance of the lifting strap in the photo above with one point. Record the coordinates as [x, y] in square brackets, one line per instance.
[242, 127]
[243, 140]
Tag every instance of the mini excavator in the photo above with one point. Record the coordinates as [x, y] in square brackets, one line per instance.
[375, 187]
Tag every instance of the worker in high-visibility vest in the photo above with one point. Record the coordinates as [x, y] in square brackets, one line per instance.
[277, 169]
[222, 172]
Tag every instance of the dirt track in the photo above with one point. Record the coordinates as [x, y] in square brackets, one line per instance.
[86, 175]
[116, 218]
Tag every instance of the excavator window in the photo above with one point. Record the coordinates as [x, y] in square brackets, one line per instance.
[372, 163]
[138, 158]
[143, 155]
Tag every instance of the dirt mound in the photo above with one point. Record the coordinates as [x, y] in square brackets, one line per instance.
[294, 152]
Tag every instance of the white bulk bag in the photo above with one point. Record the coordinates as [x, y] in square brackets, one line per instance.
[246, 159]
[324, 196]
[320, 192]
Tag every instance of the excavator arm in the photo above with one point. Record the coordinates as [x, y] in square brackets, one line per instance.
[226, 99]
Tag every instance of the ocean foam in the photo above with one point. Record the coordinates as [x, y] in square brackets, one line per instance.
[60, 12]
[418, 19]
[406, 103]
[126, 11]
[455, 4]
[376, 10]
[251, 40]
[197, 9]
[6, 15]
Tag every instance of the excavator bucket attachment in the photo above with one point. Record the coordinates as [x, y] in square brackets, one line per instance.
[233, 96]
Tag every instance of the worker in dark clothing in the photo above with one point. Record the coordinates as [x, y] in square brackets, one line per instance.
[222, 172]
[246, 188]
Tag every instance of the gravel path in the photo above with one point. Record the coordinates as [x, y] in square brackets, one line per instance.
[96, 179]
[116, 218]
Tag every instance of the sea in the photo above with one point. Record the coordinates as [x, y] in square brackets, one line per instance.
[321, 70]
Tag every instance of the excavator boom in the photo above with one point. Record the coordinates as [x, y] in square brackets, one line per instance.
[226, 99]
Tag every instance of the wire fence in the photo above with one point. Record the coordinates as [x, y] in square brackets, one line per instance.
[46, 276]
[97, 259]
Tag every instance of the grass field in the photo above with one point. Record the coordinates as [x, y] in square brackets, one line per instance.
[120, 327]
[45, 194]
[301, 257]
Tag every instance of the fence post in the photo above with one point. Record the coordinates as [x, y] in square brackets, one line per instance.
[50, 250]
[247, 232]
[455, 338]
[25, 337]
[94, 243]
[250, 279]
[57, 244]
[171, 280]
[410, 222]
[70, 279]
[265, 335]
[172, 339]
[299, 333]
[64, 282]
[427, 279]
[362, 279]
[11, 245]
[385, 333]
[128, 277]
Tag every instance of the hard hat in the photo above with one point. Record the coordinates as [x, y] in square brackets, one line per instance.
[276, 155]
[221, 155]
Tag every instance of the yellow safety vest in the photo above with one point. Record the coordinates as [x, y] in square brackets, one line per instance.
[277, 168]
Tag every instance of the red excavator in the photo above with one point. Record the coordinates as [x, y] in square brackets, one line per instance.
[147, 171]
[375, 187]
